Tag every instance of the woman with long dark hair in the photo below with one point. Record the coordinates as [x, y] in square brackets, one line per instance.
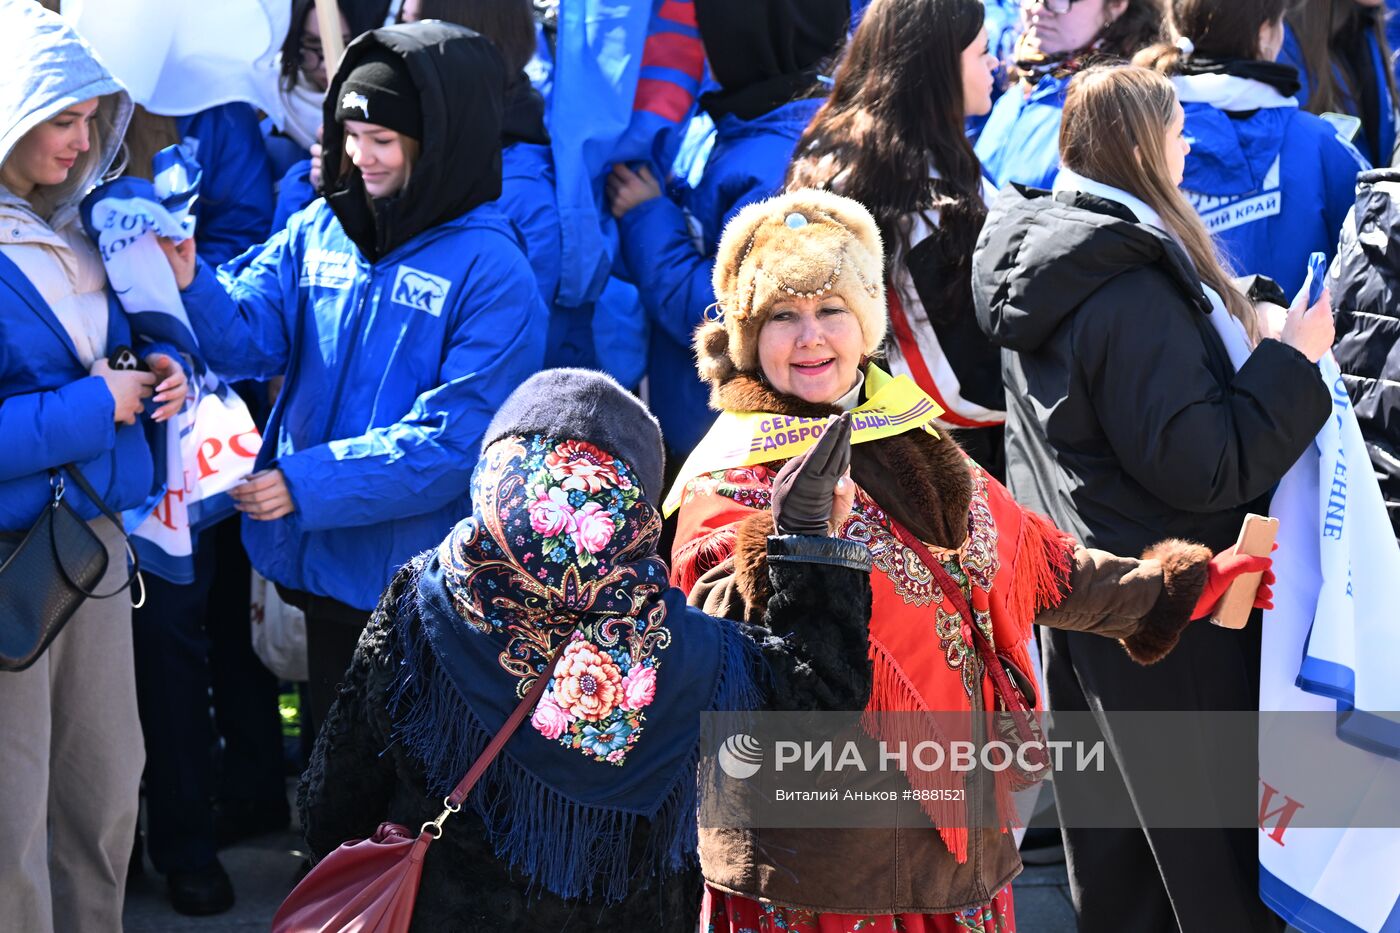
[1128, 422]
[304, 74]
[1344, 64]
[1062, 37]
[891, 137]
[1272, 183]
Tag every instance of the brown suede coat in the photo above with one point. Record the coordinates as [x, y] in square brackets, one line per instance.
[924, 482]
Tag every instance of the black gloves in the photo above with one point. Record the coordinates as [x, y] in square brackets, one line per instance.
[804, 488]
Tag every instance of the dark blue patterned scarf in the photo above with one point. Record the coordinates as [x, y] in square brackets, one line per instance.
[560, 554]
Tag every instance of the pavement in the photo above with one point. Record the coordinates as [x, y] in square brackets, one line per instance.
[263, 871]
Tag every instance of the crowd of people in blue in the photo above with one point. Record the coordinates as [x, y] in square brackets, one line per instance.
[386, 264]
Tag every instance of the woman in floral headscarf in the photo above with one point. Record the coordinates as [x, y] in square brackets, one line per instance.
[588, 818]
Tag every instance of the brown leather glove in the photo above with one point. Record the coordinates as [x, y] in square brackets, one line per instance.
[806, 485]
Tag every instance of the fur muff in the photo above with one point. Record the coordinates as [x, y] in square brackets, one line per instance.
[751, 559]
[806, 244]
[1183, 579]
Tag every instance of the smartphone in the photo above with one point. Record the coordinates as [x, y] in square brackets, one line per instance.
[1257, 536]
[1317, 277]
[124, 358]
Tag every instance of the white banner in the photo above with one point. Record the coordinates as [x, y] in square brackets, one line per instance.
[1332, 643]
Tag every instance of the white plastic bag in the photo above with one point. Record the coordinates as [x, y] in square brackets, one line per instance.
[279, 632]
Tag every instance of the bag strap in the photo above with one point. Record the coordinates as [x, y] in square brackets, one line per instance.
[1001, 681]
[82, 483]
[453, 801]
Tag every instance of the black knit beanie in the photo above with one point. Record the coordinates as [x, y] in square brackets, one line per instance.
[379, 90]
[580, 404]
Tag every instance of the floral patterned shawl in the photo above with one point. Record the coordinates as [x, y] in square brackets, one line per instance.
[560, 555]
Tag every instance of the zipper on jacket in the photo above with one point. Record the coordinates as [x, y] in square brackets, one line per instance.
[353, 332]
[335, 397]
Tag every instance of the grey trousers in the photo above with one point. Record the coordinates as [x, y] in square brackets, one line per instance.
[73, 755]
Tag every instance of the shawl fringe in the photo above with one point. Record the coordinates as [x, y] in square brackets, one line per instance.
[1044, 560]
[571, 849]
[892, 693]
[695, 559]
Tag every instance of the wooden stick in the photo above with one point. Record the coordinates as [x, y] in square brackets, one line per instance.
[332, 45]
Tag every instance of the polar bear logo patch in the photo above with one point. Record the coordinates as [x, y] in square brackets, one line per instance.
[419, 290]
[354, 101]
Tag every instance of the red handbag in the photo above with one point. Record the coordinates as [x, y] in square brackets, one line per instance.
[370, 885]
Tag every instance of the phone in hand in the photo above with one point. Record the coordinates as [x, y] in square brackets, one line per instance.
[123, 358]
[1317, 277]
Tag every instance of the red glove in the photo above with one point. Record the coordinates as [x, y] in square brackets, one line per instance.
[1223, 569]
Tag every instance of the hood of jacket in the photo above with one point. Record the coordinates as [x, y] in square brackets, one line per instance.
[1236, 126]
[767, 55]
[53, 69]
[1040, 256]
[461, 82]
[523, 119]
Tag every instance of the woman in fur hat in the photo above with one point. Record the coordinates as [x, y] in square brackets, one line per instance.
[799, 280]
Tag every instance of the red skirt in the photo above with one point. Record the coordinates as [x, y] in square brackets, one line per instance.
[733, 913]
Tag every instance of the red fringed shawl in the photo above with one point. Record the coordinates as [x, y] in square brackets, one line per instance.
[1014, 563]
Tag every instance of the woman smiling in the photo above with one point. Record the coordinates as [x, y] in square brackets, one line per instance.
[959, 571]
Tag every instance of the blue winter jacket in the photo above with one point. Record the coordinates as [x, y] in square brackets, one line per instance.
[234, 209]
[670, 248]
[528, 199]
[1271, 182]
[1021, 139]
[393, 372]
[294, 192]
[51, 411]
[1379, 149]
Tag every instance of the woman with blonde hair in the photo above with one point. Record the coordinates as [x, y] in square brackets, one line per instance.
[1128, 423]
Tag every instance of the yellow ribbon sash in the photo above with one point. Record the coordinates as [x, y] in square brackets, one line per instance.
[739, 439]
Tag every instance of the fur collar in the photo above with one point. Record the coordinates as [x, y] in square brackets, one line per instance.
[923, 482]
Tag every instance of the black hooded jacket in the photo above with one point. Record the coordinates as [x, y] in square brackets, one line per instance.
[1366, 301]
[461, 82]
[1126, 421]
[769, 53]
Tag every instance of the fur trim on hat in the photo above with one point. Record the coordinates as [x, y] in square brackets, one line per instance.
[804, 244]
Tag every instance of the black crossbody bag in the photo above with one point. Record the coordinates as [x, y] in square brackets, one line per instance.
[46, 573]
